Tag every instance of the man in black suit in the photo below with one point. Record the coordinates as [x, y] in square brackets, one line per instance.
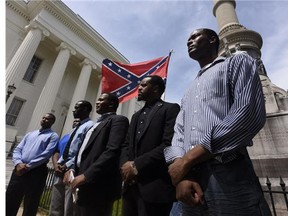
[148, 190]
[97, 164]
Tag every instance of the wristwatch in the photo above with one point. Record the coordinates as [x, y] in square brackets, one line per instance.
[135, 171]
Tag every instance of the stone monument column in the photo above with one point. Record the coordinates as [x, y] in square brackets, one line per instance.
[235, 37]
[225, 12]
[79, 92]
[49, 92]
[231, 31]
[19, 63]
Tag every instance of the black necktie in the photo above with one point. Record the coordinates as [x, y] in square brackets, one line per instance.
[67, 147]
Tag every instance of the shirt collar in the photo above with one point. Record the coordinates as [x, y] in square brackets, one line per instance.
[152, 104]
[216, 61]
[45, 130]
[84, 120]
[104, 116]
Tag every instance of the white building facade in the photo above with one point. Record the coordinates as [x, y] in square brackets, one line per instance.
[54, 59]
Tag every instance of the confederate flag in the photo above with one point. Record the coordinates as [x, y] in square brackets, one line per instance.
[123, 79]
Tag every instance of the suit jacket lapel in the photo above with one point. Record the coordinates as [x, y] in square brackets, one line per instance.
[96, 132]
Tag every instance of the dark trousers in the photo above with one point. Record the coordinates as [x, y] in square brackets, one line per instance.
[30, 186]
[100, 208]
[134, 205]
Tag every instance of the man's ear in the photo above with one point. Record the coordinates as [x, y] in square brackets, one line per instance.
[85, 108]
[111, 105]
[156, 88]
[212, 39]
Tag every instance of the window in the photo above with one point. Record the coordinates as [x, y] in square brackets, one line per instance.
[13, 111]
[32, 69]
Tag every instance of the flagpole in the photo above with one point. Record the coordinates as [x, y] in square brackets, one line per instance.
[169, 55]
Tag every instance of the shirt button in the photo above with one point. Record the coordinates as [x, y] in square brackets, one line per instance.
[196, 96]
[195, 111]
[139, 132]
[193, 128]
[141, 122]
[144, 113]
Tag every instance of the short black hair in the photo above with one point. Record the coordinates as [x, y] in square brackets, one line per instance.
[86, 104]
[113, 99]
[53, 117]
[211, 33]
[157, 81]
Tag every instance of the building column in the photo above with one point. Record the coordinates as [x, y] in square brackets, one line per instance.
[79, 92]
[99, 92]
[49, 92]
[21, 60]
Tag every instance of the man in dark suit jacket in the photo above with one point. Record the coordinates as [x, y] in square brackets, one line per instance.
[97, 164]
[148, 190]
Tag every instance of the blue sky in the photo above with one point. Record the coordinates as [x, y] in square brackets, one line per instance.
[143, 30]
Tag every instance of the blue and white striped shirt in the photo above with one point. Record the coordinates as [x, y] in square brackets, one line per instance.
[222, 111]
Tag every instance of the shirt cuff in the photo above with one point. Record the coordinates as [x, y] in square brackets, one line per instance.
[173, 152]
[16, 162]
[69, 164]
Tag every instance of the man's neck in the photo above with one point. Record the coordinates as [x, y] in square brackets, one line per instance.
[207, 60]
[152, 101]
[85, 117]
[41, 129]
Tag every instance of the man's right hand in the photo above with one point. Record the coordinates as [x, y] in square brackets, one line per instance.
[189, 192]
[127, 172]
[66, 177]
[21, 168]
[58, 171]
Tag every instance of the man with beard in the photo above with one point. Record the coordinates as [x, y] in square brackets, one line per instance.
[148, 190]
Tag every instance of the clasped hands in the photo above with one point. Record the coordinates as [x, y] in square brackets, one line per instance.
[60, 169]
[21, 169]
[128, 173]
[187, 190]
[73, 182]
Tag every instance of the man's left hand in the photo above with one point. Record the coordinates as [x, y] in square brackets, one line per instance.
[63, 167]
[190, 192]
[78, 180]
[127, 171]
[177, 171]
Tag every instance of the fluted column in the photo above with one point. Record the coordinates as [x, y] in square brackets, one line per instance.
[99, 92]
[49, 92]
[79, 92]
[20, 62]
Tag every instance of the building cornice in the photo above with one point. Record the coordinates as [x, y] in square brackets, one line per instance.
[81, 28]
[20, 7]
[72, 21]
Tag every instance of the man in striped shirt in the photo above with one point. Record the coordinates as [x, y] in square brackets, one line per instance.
[220, 114]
